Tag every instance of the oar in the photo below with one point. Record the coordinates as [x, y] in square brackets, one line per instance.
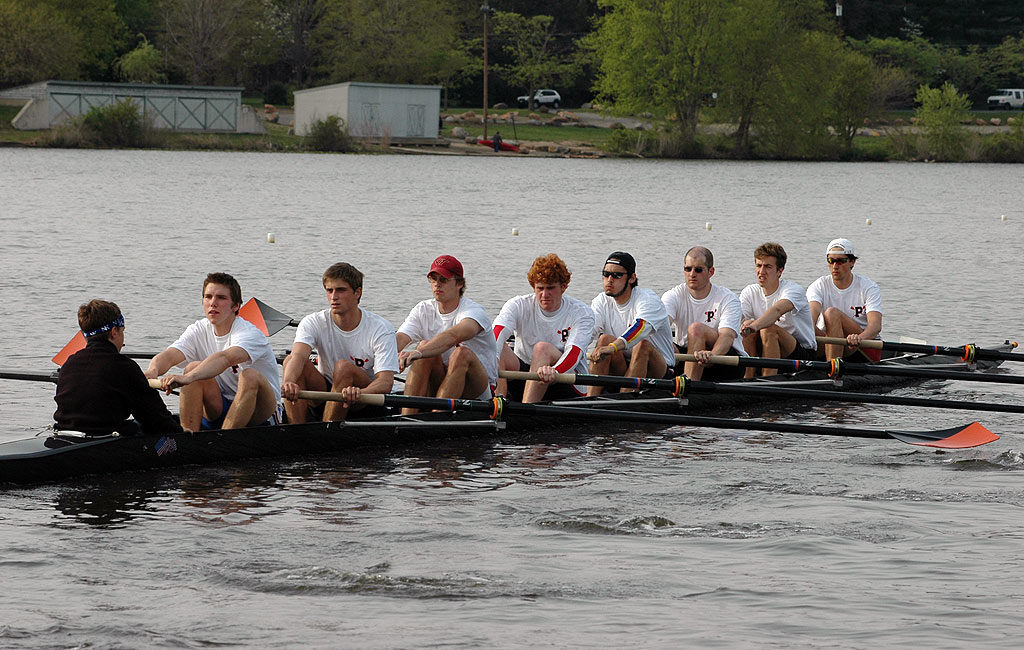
[968, 352]
[266, 318]
[971, 435]
[838, 367]
[682, 386]
[29, 376]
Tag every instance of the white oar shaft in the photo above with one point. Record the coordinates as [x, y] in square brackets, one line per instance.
[874, 344]
[717, 360]
[370, 399]
[560, 378]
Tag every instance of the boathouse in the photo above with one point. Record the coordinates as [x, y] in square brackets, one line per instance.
[395, 113]
[216, 109]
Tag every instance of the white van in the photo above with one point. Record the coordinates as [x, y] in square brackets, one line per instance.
[1007, 99]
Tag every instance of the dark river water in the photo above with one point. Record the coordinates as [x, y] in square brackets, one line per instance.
[625, 536]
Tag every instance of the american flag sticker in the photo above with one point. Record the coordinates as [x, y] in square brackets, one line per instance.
[165, 445]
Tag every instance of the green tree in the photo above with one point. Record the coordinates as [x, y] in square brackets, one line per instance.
[1003, 65]
[36, 42]
[534, 60]
[217, 41]
[941, 113]
[141, 65]
[659, 55]
[759, 38]
[391, 41]
[301, 18]
[797, 105]
[102, 34]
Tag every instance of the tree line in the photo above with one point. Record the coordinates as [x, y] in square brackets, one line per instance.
[780, 68]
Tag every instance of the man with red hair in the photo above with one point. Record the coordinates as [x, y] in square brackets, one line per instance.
[552, 333]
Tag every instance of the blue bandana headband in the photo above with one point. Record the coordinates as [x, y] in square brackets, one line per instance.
[117, 322]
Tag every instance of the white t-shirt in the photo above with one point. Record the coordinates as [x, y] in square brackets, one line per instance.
[796, 321]
[198, 342]
[618, 320]
[720, 308]
[856, 300]
[425, 322]
[571, 326]
[370, 346]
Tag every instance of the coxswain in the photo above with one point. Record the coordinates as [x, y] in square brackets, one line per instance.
[707, 318]
[454, 355]
[634, 336]
[356, 351]
[845, 304]
[552, 333]
[231, 379]
[776, 316]
[98, 388]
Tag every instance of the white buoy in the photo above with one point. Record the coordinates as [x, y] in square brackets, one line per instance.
[515, 232]
[707, 225]
[867, 221]
[270, 238]
[1002, 218]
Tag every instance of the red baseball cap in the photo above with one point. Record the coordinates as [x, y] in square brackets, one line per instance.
[446, 266]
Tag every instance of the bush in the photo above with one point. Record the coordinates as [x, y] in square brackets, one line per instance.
[277, 94]
[942, 112]
[330, 134]
[1006, 147]
[121, 124]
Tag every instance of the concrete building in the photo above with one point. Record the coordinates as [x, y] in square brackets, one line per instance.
[180, 108]
[372, 111]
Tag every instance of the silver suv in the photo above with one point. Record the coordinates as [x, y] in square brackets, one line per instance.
[543, 97]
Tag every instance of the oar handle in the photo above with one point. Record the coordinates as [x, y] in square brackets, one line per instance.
[718, 360]
[873, 344]
[560, 378]
[370, 399]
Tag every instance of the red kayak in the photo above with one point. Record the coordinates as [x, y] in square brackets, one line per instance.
[504, 145]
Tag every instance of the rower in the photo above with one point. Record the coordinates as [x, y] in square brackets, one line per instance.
[776, 317]
[552, 332]
[707, 317]
[845, 304]
[231, 380]
[455, 354]
[634, 336]
[355, 348]
[98, 388]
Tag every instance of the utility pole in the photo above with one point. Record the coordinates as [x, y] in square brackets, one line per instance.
[486, 9]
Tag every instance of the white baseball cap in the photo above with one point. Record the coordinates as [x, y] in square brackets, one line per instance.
[845, 244]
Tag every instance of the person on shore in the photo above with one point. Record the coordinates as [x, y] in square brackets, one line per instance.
[496, 141]
[356, 351]
[98, 388]
[845, 304]
[634, 336]
[455, 355]
[776, 315]
[231, 380]
[552, 332]
[707, 318]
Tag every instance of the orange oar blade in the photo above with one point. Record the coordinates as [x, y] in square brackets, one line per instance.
[76, 343]
[973, 435]
[251, 312]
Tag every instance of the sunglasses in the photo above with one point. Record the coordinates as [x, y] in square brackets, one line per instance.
[613, 274]
[695, 269]
[837, 260]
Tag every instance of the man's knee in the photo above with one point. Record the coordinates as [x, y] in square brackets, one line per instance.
[462, 357]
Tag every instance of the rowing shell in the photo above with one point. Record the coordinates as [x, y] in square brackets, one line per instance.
[59, 456]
